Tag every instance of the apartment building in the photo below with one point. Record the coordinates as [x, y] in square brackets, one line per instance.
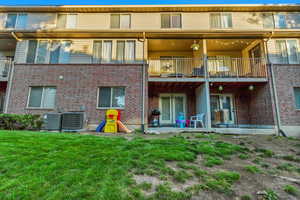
[238, 66]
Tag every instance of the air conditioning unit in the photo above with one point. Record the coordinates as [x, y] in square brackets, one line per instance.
[72, 121]
[52, 121]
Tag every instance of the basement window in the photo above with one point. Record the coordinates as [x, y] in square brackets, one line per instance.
[42, 97]
[297, 97]
[111, 97]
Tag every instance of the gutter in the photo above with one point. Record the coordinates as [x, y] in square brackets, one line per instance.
[15, 36]
[9, 86]
[143, 84]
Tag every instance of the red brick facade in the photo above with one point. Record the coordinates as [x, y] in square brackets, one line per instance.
[287, 77]
[79, 87]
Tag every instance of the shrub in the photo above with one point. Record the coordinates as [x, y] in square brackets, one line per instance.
[20, 122]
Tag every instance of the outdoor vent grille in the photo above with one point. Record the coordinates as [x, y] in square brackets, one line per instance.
[72, 121]
[52, 121]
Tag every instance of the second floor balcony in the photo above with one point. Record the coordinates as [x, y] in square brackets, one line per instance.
[216, 67]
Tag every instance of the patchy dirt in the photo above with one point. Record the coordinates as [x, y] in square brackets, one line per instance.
[265, 152]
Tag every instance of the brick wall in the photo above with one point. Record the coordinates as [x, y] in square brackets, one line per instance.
[79, 88]
[287, 77]
[261, 110]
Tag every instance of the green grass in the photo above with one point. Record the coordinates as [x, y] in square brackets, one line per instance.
[252, 169]
[36, 165]
[271, 195]
[246, 197]
[181, 176]
[54, 166]
[291, 190]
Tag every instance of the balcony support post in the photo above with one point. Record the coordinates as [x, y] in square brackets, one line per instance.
[207, 92]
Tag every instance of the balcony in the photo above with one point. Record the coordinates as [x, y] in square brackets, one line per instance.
[236, 67]
[176, 67]
[4, 69]
[217, 67]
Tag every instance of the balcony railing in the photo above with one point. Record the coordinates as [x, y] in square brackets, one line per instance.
[176, 67]
[216, 67]
[4, 68]
[236, 67]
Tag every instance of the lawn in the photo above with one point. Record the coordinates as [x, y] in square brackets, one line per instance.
[40, 165]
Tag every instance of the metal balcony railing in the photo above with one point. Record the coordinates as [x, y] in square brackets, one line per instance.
[176, 67]
[216, 67]
[236, 67]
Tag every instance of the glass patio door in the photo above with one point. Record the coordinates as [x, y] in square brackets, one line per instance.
[170, 106]
[222, 109]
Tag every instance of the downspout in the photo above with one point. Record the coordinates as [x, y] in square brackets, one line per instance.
[10, 76]
[274, 91]
[15, 36]
[143, 84]
[9, 86]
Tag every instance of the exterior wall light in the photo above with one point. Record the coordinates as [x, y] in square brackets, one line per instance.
[221, 88]
[61, 77]
[195, 46]
[251, 87]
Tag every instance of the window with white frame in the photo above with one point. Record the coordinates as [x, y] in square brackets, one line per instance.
[125, 50]
[171, 20]
[16, 21]
[111, 97]
[45, 51]
[220, 20]
[102, 51]
[66, 21]
[287, 52]
[287, 20]
[42, 97]
[297, 97]
[120, 21]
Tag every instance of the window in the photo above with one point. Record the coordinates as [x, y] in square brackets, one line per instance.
[41, 53]
[120, 20]
[221, 20]
[45, 51]
[102, 51]
[170, 20]
[268, 21]
[287, 20]
[17, 21]
[126, 51]
[111, 97]
[297, 97]
[42, 97]
[287, 51]
[66, 21]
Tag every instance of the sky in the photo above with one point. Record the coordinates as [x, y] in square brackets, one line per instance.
[140, 2]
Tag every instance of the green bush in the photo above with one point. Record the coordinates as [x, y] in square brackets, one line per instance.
[20, 122]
